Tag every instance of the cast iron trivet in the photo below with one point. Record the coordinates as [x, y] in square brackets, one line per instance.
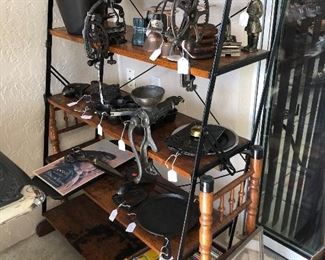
[218, 138]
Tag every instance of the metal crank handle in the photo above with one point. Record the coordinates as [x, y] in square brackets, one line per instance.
[132, 125]
[106, 167]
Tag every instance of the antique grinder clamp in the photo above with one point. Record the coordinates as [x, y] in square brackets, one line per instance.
[147, 115]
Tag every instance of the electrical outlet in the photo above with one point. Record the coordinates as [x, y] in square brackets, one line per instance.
[155, 81]
[130, 76]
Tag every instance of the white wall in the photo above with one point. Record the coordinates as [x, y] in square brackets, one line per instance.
[22, 75]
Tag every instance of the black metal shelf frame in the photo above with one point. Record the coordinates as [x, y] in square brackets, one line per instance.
[207, 105]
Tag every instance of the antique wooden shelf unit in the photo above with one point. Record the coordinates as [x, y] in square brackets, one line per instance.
[77, 215]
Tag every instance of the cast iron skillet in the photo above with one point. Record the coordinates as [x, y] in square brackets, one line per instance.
[163, 215]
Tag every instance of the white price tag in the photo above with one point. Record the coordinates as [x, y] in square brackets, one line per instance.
[121, 145]
[86, 117]
[131, 227]
[155, 54]
[243, 19]
[100, 130]
[172, 175]
[72, 104]
[113, 215]
[183, 66]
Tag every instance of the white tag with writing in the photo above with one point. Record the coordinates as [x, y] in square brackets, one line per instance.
[121, 145]
[243, 19]
[183, 66]
[172, 175]
[100, 130]
[113, 215]
[72, 104]
[86, 117]
[155, 54]
[131, 227]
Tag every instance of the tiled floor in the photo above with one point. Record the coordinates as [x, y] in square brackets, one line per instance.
[54, 247]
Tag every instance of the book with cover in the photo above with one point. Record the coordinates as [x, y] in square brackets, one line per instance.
[66, 177]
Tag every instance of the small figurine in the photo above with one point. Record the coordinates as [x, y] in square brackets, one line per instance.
[253, 28]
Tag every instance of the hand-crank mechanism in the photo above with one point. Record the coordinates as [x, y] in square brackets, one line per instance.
[150, 111]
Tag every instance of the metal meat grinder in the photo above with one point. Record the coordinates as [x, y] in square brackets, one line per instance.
[150, 111]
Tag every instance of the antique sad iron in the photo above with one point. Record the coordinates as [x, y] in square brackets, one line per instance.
[150, 111]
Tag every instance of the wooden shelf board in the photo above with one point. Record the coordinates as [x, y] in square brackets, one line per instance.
[101, 192]
[184, 164]
[200, 68]
[88, 230]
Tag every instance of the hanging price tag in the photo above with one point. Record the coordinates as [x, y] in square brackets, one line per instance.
[86, 117]
[183, 66]
[72, 104]
[100, 130]
[113, 215]
[130, 228]
[172, 175]
[121, 145]
[243, 19]
[155, 54]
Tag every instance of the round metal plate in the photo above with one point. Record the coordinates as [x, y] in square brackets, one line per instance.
[218, 139]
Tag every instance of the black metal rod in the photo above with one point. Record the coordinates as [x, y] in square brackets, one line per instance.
[138, 76]
[47, 92]
[213, 73]
[200, 98]
[269, 71]
[59, 78]
[238, 12]
[135, 7]
[66, 82]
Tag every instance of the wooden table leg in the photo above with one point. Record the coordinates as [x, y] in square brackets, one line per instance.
[53, 132]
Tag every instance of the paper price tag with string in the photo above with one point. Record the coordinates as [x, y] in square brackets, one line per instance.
[99, 126]
[84, 115]
[114, 212]
[172, 174]
[121, 143]
[71, 104]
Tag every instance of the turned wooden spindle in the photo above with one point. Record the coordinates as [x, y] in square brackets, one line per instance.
[241, 194]
[206, 218]
[53, 132]
[231, 200]
[221, 208]
[66, 119]
[256, 164]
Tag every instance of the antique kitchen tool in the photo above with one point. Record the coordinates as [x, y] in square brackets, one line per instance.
[149, 113]
[163, 215]
[102, 29]
[148, 98]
